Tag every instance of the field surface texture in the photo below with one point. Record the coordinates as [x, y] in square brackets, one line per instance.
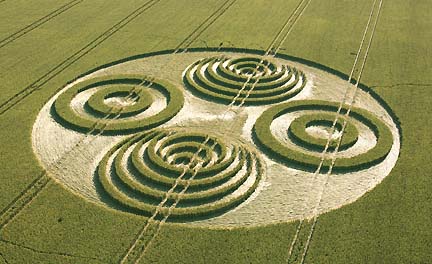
[215, 131]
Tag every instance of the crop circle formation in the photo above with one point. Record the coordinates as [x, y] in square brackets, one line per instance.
[246, 80]
[152, 136]
[326, 113]
[298, 132]
[211, 175]
[121, 101]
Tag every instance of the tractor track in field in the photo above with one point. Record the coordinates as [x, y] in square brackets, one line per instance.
[274, 48]
[298, 229]
[23, 31]
[401, 84]
[26, 197]
[140, 243]
[23, 199]
[143, 240]
[343, 127]
[31, 192]
[44, 252]
[333, 154]
[39, 184]
[152, 226]
[196, 33]
[298, 12]
[36, 85]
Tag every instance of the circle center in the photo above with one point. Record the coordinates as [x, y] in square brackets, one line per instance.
[120, 101]
[324, 132]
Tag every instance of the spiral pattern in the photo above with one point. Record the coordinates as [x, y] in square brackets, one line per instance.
[305, 148]
[118, 104]
[246, 80]
[210, 176]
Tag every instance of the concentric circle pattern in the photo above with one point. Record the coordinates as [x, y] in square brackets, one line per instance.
[299, 134]
[118, 104]
[245, 80]
[305, 150]
[216, 137]
[209, 175]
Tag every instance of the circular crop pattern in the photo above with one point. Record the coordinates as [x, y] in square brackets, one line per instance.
[118, 104]
[298, 132]
[203, 174]
[245, 80]
[173, 150]
[322, 114]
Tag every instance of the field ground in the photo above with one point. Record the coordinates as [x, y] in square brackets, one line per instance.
[390, 224]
